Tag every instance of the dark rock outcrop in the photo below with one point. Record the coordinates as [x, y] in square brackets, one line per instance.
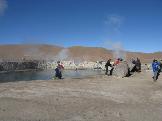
[22, 65]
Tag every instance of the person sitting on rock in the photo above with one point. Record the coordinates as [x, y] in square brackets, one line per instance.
[133, 61]
[117, 62]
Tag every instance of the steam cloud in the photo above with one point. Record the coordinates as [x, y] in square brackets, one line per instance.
[114, 22]
[3, 6]
[34, 53]
[63, 55]
[117, 49]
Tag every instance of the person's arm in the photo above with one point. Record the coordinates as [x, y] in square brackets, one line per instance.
[62, 66]
[154, 67]
[106, 64]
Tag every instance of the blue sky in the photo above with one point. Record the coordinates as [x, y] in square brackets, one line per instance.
[136, 24]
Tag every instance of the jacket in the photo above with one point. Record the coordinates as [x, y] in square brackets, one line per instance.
[155, 66]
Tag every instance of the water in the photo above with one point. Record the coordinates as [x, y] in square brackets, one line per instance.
[46, 75]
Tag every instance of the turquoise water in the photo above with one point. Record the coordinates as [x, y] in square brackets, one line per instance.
[46, 75]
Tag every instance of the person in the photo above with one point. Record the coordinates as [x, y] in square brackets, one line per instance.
[155, 68]
[76, 69]
[58, 73]
[160, 65]
[138, 65]
[58, 70]
[117, 61]
[108, 67]
[147, 67]
[133, 61]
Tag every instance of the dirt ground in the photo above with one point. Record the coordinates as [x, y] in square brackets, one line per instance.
[99, 98]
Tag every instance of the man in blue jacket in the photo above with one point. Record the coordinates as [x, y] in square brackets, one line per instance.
[156, 69]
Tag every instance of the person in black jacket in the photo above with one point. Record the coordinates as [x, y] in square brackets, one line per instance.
[138, 65]
[108, 67]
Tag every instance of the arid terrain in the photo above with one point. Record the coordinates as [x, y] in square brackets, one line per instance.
[96, 98]
[80, 60]
[84, 53]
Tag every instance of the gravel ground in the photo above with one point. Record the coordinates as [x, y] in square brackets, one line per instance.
[97, 98]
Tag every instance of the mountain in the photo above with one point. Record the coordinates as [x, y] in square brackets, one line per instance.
[43, 51]
[28, 51]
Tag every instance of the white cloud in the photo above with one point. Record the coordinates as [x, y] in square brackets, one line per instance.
[3, 6]
[114, 21]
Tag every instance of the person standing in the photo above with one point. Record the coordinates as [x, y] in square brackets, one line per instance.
[58, 70]
[160, 62]
[155, 68]
[108, 67]
[138, 65]
[58, 73]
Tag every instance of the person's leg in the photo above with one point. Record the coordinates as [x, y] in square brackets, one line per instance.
[106, 71]
[155, 75]
[158, 73]
[56, 75]
[111, 71]
[60, 75]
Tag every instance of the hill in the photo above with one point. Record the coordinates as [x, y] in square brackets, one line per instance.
[44, 51]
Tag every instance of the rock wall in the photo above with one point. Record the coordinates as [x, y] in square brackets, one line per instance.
[23, 65]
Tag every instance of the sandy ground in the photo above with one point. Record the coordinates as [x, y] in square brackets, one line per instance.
[99, 98]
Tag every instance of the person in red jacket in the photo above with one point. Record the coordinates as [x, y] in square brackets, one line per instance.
[60, 65]
[117, 61]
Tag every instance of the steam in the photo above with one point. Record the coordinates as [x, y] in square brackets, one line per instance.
[34, 53]
[78, 60]
[117, 49]
[3, 6]
[64, 54]
[114, 22]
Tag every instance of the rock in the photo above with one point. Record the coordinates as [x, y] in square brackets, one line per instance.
[131, 66]
[121, 70]
[23, 65]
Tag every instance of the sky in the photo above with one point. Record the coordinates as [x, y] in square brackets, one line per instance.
[135, 24]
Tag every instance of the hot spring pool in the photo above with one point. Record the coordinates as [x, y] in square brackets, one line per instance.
[46, 75]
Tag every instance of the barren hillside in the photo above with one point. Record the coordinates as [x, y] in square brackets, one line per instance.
[49, 51]
[27, 51]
